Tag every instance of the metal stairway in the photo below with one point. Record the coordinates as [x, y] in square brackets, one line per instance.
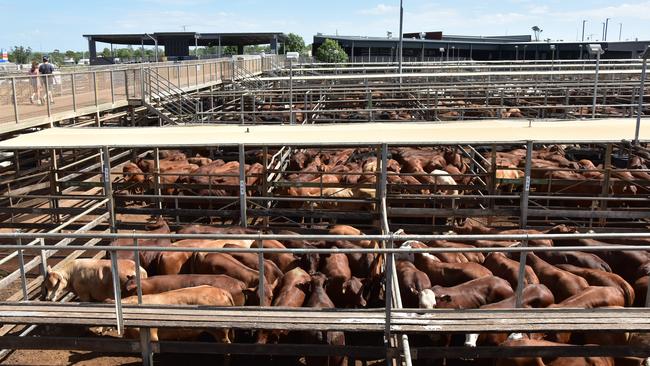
[169, 102]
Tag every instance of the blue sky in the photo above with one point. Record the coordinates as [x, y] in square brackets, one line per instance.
[59, 24]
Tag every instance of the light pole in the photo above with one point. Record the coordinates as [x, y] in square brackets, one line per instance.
[606, 26]
[401, 40]
[595, 49]
[453, 50]
[620, 30]
[525, 52]
[516, 53]
[291, 56]
[583, 30]
[645, 55]
[552, 47]
[155, 41]
[442, 53]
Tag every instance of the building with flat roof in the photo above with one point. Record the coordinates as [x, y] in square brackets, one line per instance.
[436, 45]
[177, 44]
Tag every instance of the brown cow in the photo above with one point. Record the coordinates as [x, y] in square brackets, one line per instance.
[148, 259]
[319, 300]
[412, 283]
[579, 259]
[343, 288]
[290, 292]
[563, 284]
[222, 263]
[597, 277]
[508, 269]
[271, 270]
[532, 296]
[470, 295]
[448, 274]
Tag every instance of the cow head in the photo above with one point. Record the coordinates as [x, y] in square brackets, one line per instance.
[407, 255]
[427, 299]
[54, 284]
[252, 298]
[353, 290]
[131, 285]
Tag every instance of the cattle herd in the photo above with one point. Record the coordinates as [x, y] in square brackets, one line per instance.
[452, 280]
[353, 173]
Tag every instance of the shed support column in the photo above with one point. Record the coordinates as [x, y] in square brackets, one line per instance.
[240, 50]
[523, 223]
[92, 50]
[243, 220]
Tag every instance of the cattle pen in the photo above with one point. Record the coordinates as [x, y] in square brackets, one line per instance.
[75, 196]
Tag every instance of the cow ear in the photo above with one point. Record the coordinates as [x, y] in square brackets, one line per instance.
[414, 291]
[306, 286]
[446, 298]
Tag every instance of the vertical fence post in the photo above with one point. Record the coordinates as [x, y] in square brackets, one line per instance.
[112, 88]
[108, 188]
[389, 298]
[15, 97]
[23, 275]
[74, 92]
[95, 89]
[43, 254]
[156, 177]
[145, 340]
[242, 187]
[262, 278]
[523, 223]
[117, 292]
[47, 97]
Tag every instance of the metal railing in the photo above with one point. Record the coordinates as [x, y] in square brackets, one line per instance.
[36, 100]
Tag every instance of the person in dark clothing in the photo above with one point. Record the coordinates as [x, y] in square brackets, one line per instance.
[46, 69]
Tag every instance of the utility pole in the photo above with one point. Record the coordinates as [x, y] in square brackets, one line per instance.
[606, 26]
[602, 36]
[583, 30]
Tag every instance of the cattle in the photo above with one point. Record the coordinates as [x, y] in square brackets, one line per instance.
[447, 257]
[537, 361]
[361, 264]
[222, 263]
[89, 279]
[319, 300]
[563, 284]
[575, 258]
[532, 296]
[238, 290]
[470, 295]
[594, 297]
[448, 274]
[291, 292]
[285, 261]
[148, 259]
[442, 178]
[412, 283]
[343, 288]
[596, 277]
[271, 271]
[199, 295]
[508, 269]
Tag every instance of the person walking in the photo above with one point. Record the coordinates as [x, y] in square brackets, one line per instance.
[35, 83]
[46, 69]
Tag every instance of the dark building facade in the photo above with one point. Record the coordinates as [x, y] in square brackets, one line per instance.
[177, 44]
[435, 45]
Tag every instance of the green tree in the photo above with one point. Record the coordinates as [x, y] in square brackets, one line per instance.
[56, 57]
[106, 53]
[294, 43]
[124, 53]
[69, 54]
[229, 50]
[20, 54]
[331, 51]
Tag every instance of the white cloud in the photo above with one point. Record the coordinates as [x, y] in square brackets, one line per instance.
[380, 9]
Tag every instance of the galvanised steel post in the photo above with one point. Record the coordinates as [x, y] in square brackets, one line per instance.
[593, 103]
[401, 40]
[523, 223]
[641, 93]
[15, 96]
[262, 278]
[242, 187]
[291, 116]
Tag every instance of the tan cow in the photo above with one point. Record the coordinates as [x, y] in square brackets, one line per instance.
[89, 279]
[199, 295]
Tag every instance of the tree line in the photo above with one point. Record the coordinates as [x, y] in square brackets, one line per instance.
[329, 51]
